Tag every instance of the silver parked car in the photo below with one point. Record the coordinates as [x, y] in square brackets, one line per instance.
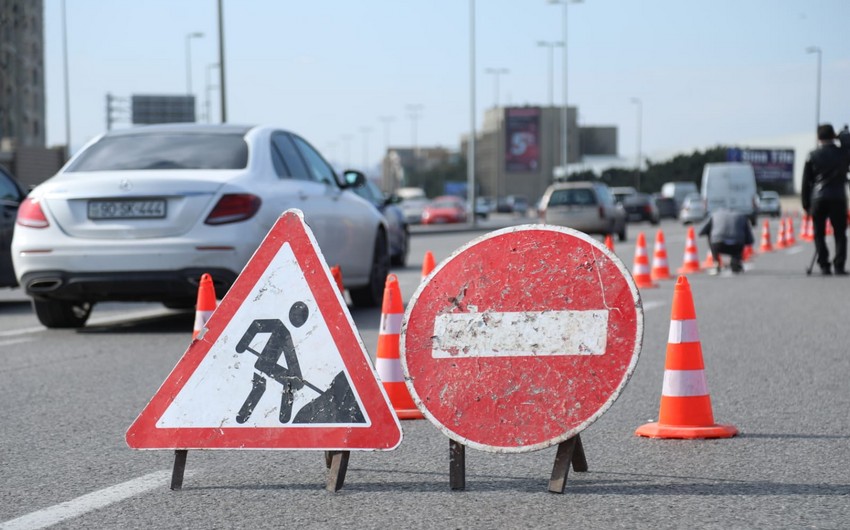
[140, 214]
[585, 206]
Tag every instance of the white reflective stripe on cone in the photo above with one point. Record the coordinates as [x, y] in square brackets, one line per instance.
[391, 324]
[684, 383]
[683, 331]
[201, 318]
[389, 370]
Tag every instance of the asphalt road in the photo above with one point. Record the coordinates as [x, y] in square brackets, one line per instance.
[774, 343]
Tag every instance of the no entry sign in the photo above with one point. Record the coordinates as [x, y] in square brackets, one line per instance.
[522, 338]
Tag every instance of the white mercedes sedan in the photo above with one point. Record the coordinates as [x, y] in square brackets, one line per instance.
[140, 214]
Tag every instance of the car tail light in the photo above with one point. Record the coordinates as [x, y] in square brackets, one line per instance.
[234, 207]
[30, 214]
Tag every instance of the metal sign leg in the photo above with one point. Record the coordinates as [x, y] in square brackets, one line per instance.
[336, 470]
[457, 465]
[569, 452]
[179, 468]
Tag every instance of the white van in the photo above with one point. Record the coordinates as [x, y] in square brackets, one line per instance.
[730, 184]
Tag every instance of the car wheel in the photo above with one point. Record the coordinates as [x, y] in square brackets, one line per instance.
[372, 294]
[400, 259]
[61, 313]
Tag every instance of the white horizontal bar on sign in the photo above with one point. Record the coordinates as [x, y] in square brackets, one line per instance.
[520, 334]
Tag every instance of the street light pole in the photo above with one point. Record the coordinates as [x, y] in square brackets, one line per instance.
[639, 104]
[470, 157]
[565, 112]
[221, 85]
[67, 90]
[413, 111]
[496, 72]
[189, 37]
[817, 50]
[551, 46]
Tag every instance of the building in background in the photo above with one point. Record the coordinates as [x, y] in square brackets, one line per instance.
[22, 107]
[518, 151]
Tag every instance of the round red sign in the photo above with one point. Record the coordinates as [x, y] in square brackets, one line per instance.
[522, 338]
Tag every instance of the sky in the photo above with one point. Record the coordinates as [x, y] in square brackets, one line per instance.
[345, 74]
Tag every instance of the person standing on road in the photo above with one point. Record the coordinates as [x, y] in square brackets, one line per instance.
[824, 195]
[728, 233]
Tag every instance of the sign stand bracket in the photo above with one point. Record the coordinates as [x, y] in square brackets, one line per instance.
[178, 469]
[570, 451]
[337, 464]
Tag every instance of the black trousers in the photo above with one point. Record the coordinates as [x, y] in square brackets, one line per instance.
[836, 211]
[734, 251]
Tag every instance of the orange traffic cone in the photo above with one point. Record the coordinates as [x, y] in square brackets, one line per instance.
[690, 263]
[609, 242]
[780, 235]
[206, 304]
[388, 362]
[685, 402]
[641, 265]
[808, 230]
[709, 261]
[336, 272]
[427, 264]
[766, 246]
[747, 254]
[660, 268]
[789, 232]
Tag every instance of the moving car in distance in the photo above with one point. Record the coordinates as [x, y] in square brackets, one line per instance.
[769, 203]
[638, 206]
[585, 206]
[399, 234]
[445, 209]
[140, 214]
[693, 209]
[412, 202]
[11, 196]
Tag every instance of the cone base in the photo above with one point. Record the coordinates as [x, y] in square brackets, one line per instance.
[645, 284]
[661, 276]
[409, 414]
[687, 432]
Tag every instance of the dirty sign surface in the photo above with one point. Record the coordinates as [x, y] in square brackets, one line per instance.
[522, 338]
[279, 366]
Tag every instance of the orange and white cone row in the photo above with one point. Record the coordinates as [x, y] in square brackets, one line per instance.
[685, 402]
[206, 304]
[388, 361]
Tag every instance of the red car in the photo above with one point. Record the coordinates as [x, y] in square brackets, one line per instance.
[444, 209]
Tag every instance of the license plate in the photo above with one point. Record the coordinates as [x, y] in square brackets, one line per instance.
[127, 209]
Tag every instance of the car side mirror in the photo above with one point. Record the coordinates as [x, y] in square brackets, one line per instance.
[354, 178]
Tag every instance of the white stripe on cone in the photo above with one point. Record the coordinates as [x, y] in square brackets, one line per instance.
[683, 331]
[684, 383]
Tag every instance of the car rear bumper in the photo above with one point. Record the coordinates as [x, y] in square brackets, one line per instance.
[136, 286]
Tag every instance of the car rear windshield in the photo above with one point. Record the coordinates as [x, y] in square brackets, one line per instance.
[164, 151]
[574, 197]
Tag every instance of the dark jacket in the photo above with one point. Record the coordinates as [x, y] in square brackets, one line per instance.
[825, 172]
[727, 226]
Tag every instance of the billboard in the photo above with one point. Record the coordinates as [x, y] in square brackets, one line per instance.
[522, 137]
[773, 166]
[163, 109]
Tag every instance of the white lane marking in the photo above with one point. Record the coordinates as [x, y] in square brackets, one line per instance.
[89, 502]
[520, 334]
[98, 321]
[794, 250]
[655, 304]
[15, 341]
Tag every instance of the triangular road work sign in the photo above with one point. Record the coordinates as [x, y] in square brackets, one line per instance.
[279, 366]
